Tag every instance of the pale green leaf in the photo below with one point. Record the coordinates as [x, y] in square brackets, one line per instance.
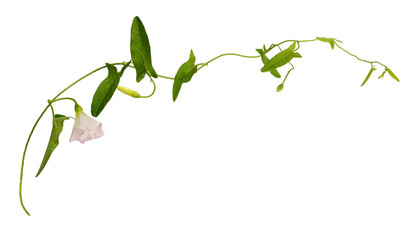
[331, 41]
[280, 59]
[368, 76]
[392, 74]
[265, 59]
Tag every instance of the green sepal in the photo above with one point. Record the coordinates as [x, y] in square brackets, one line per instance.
[265, 59]
[140, 50]
[331, 41]
[58, 123]
[280, 59]
[392, 74]
[183, 75]
[106, 89]
[368, 76]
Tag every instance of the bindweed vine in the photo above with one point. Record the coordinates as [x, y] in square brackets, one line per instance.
[87, 128]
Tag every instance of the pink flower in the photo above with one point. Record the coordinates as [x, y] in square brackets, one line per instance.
[85, 128]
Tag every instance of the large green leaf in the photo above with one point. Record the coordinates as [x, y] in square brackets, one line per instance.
[58, 122]
[368, 76]
[265, 59]
[140, 50]
[106, 89]
[183, 75]
[280, 59]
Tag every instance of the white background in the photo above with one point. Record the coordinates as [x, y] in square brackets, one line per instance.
[231, 159]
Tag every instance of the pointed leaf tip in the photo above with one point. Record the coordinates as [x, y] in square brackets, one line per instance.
[368, 76]
[140, 50]
[297, 55]
[183, 75]
[58, 122]
[392, 74]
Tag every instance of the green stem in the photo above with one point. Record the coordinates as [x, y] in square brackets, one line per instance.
[52, 110]
[65, 98]
[371, 62]
[298, 41]
[293, 67]
[154, 89]
[23, 159]
[165, 77]
[36, 123]
[157, 74]
[226, 54]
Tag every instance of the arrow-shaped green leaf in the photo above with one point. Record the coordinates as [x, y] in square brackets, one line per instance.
[280, 59]
[140, 50]
[57, 128]
[183, 75]
[265, 59]
[106, 89]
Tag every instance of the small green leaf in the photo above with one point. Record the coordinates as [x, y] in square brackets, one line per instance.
[368, 76]
[280, 59]
[392, 74]
[106, 89]
[265, 59]
[183, 75]
[382, 75]
[58, 122]
[140, 50]
[331, 41]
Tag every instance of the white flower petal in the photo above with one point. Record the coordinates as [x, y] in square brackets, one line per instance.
[85, 128]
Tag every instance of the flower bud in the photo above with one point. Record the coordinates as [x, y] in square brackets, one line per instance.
[129, 92]
[280, 87]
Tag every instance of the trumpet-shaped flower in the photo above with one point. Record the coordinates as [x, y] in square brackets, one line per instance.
[85, 128]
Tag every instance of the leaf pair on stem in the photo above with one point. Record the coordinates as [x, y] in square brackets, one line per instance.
[142, 61]
[387, 70]
[280, 59]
